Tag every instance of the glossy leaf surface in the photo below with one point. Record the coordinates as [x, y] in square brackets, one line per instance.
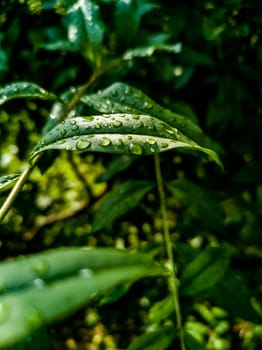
[24, 89]
[117, 133]
[123, 98]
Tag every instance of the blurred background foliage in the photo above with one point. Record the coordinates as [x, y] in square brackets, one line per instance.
[214, 79]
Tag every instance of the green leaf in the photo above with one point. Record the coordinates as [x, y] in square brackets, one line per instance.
[159, 339]
[128, 194]
[161, 310]
[123, 98]
[119, 134]
[24, 89]
[206, 270]
[117, 165]
[192, 343]
[233, 295]
[147, 51]
[128, 15]
[85, 29]
[8, 181]
[62, 262]
[51, 289]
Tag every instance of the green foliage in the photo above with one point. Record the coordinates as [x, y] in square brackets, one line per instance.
[121, 84]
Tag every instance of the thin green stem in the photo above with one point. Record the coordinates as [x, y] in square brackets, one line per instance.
[17, 188]
[173, 285]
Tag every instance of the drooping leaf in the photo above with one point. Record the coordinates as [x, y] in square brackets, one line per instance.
[123, 98]
[118, 134]
[46, 287]
[58, 263]
[24, 89]
[7, 182]
[206, 270]
[159, 339]
[120, 201]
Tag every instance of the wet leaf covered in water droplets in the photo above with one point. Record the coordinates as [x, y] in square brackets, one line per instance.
[123, 98]
[133, 134]
[24, 90]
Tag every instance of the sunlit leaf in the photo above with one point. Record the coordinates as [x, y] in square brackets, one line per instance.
[120, 201]
[24, 89]
[159, 339]
[7, 182]
[117, 133]
[206, 270]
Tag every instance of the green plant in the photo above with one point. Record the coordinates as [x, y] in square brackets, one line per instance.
[104, 114]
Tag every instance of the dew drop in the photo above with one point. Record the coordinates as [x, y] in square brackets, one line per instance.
[164, 145]
[60, 142]
[152, 150]
[38, 283]
[34, 319]
[4, 312]
[75, 137]
[105, 142]
[129, 137]
[63, 132]
[135, 116]
[148, 105]
[122, 99]
[117, 123]
[72, 121]
[82, 144]
[86, 273]
[75, 127]
[97, 126]
[120, 143]
[151, 141]
[135, 148]
[41, 267]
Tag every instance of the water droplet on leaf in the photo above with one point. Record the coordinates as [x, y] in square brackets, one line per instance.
[4, 312]
[75, 127]
[63, 132]
[135, 148]
[86, 273]
[151, 141]
[41, 267]
[105, 142]
[82, 144]
[117, 123]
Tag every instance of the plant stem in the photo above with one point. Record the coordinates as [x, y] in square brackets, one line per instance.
[173, 285]
[17, 188]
